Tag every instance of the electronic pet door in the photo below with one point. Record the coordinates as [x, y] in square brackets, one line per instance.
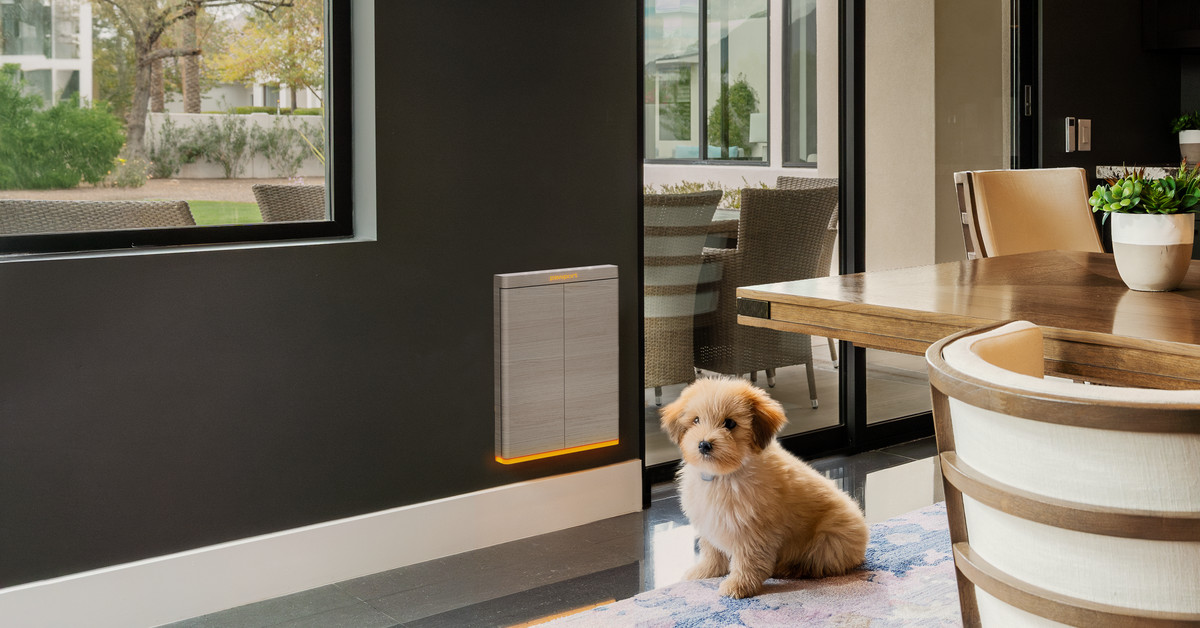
[556, 362]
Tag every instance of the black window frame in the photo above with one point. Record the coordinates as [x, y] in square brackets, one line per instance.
[702, 97]
[338, 181]
[786, 140]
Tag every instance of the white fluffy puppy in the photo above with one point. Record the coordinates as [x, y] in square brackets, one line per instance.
[759, 510]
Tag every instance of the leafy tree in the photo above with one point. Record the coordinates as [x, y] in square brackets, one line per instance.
[56, 147]
[729, 120]
[285, 47]
[146, 22]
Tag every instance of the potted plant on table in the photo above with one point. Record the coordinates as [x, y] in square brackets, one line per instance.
[1153, 225]
[1187, 125]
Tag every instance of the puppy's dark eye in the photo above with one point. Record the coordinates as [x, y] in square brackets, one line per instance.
[696, 421]
[729, 424]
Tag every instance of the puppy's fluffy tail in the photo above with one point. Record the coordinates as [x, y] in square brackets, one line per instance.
[839, 545]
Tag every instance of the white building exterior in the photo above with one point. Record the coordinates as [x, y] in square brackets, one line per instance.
[51, 40]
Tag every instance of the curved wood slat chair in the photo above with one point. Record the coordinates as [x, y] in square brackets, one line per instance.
[675, 227]
[290, 203]
[1020, 211]
[780, 238]
[21, 216]
[1068, 503]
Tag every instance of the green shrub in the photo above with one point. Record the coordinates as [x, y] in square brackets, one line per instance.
[282, 146]
[283, 111]
[313, 136]
[224, 140]
[129, 173]
[171, 147]
[732, 198]
[56, 147]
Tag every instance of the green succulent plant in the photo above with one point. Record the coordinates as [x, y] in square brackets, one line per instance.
[1133, 193]
[1186, 122]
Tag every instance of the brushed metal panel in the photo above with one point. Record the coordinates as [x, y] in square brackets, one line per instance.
[531, 370]
[591, 381]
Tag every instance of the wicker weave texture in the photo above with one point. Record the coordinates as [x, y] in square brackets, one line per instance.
[284, 203]
[813, 183]
[20, 216]
[781, 237]
[675, 228]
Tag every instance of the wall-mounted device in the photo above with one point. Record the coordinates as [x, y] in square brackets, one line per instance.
[1083, 135]
[1070, 135]
[556, 357]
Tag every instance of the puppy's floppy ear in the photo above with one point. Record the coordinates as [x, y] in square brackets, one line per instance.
[768, 415]
[671, 416]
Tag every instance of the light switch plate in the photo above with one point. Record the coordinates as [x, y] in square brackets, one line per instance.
[1084, 134]
[1070, 135]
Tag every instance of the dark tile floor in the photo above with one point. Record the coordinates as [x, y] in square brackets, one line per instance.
[533, 579]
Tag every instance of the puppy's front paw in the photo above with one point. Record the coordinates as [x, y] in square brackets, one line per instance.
[738, 586]
[704, 570]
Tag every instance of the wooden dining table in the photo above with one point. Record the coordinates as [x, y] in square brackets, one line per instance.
[1096, 329]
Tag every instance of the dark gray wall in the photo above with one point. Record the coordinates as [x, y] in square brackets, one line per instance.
[152, 404]
[1094, 66]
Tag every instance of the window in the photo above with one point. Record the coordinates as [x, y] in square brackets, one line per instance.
[801, 52]
[203, 164]
[711, 53]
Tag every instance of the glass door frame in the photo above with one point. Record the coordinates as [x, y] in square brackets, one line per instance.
[853, 434]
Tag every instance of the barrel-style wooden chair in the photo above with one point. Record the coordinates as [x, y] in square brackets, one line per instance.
[1068, 503]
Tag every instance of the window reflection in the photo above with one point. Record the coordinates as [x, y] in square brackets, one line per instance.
[737, 79]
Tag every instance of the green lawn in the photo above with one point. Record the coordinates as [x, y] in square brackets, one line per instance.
[224, 213]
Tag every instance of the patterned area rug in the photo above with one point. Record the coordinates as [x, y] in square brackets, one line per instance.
[907, 580]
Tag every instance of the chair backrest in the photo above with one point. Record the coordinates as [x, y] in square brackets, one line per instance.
[20, 216]
[675, 228]
[809, 183]
[1020, 211]
[1068, 502]
[283, 203]
[783, 234]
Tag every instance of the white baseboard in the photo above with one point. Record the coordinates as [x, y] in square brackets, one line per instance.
[170, 588]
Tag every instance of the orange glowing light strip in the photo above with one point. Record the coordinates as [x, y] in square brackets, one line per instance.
[557, 452]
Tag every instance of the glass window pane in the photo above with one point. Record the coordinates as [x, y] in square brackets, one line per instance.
[737, 48]
[196, 142]
[65, 15]
[672, 36]
[935, 128]
[802, 82]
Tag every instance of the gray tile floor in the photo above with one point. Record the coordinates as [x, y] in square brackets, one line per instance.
[532, 579]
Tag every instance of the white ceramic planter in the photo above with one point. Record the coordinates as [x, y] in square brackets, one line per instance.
[1189, 146]
[1152, 250]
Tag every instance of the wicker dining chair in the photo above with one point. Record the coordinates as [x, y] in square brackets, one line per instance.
[1066, 503]
[284, 203]
[780, 238]
[675, 227]
[22, 216]
[829, 242]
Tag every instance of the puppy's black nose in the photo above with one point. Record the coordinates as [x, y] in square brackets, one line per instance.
[704, 447]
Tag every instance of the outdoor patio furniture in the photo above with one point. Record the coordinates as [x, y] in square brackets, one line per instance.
[831, 232]
[780, 238]
[21, 216]
[284, 203]
[675, 228]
